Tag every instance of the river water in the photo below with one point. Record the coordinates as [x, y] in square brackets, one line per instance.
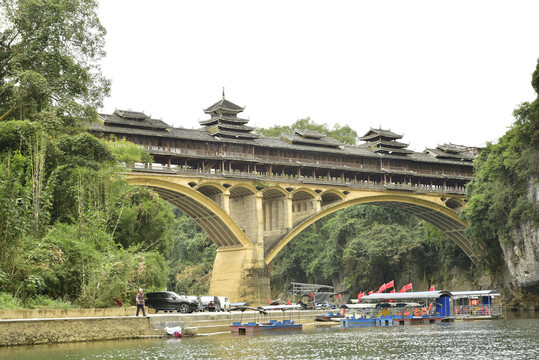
[515, 337]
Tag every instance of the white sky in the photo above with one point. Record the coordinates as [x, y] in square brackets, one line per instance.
[435, 71]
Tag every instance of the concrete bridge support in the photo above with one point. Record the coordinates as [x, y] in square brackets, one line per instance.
[242, 275]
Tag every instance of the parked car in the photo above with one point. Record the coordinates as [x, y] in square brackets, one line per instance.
[197, 299]
[225, 303]
[211, 303]
[170, 301]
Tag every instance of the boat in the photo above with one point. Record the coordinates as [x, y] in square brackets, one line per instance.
[477, 305]
[391, 309]
[266, 326]
[329, 316]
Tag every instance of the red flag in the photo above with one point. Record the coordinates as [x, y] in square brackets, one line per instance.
[360, 295]
[312, 294]
[382, 288]
[392, 291]
[377, 291]
[431, 288]
[339, 296]
[407, 287]
[370, 292]
[268, 301]
[390, 284]
[288, 301]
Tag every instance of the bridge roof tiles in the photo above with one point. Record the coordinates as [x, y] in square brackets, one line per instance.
[226, 105]
[273, 142]
[390, 150]
[377, 133]
[235, 134]
[309, 134]
[223, 119]
[129, 114]
[323, 141]
[440, 153]
[395, 144]
[141, 122]
[231, 127]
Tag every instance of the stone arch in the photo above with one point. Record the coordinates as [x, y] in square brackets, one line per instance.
[241, 205]
[242, 189]
[223, 231]
[439, 215]
[311, 192]
[305, 202]
[275, 211]
[273, 192]
[212, 191]
[330, 196]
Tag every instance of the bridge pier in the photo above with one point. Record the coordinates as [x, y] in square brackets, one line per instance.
[241, 274]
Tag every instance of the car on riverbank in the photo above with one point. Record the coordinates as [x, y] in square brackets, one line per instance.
[170, 301]
[211, 303]
[225, 303]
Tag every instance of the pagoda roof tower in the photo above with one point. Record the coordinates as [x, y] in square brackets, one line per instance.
[384, 141]
[224, 121]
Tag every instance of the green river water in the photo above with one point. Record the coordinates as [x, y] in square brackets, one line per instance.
[515, 337]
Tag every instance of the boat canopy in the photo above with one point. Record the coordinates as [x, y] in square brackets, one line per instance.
[407, 296]
[280, 307]
[303, 288]
[474, 293]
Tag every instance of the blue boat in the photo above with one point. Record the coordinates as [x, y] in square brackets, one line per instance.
[253, 328]
[392, 309]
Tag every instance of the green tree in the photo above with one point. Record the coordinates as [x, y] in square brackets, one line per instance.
[344, 134]
[49, 53]
[141, 219]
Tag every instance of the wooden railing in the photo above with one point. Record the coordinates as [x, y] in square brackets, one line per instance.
[304, 162]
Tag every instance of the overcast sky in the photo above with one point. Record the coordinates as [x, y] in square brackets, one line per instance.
[434, 71]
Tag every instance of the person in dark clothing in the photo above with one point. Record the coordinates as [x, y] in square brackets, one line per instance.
[140, 302]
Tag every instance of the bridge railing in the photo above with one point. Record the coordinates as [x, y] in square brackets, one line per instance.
[293, 160]
[302, 179]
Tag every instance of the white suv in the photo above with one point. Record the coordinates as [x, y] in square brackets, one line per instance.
[225, 304]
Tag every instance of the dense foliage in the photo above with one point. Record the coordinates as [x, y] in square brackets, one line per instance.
[68, 221]
[505, 172]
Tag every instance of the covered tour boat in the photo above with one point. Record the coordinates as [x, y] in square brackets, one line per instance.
[477, 305]
[388, 309]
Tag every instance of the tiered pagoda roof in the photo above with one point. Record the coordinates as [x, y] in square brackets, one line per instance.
[451, 152]
[384, 141]
[132, 119]
[309, 137]
[224, 122]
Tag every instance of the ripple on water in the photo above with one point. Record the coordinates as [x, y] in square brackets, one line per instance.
[500, 339]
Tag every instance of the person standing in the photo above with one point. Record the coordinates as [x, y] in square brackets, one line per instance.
[140, 302]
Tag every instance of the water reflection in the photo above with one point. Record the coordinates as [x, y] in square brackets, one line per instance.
[513, 338]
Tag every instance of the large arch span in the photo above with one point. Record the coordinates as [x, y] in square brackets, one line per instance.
[206, 213]
[438, 215]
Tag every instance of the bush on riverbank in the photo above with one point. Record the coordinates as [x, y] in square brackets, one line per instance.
[8, 302]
